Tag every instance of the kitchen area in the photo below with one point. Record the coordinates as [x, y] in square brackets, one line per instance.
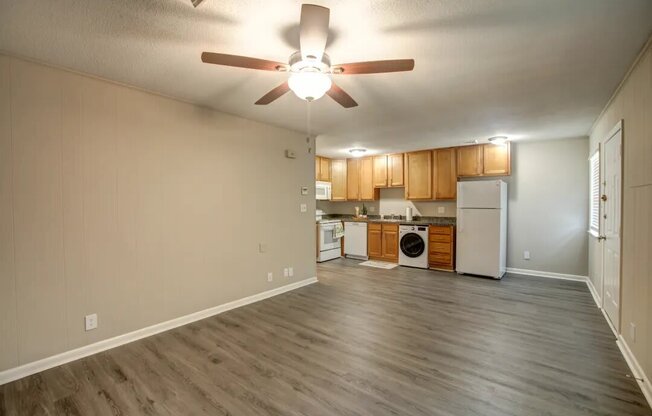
[440, 209]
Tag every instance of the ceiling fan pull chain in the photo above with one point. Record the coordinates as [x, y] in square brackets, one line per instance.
[308, 119]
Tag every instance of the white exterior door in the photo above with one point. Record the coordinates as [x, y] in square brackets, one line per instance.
[611, 197]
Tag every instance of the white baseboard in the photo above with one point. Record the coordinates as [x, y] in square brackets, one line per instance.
[637, 370]
[37, 366]
[596, 297]
[551, 275]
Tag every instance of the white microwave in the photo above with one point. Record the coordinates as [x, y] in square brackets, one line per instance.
[323, 191]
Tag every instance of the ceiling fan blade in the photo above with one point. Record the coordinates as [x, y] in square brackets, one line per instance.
[274, 94]
[313, 31]
[241, 61]
[342, 98]
[195, 3]
[374, 67]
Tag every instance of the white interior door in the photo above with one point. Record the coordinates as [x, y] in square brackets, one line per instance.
[611, 197]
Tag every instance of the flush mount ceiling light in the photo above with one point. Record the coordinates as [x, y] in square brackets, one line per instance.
[499, 140]
[357, 152]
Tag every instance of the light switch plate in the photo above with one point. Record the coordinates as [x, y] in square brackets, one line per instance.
[526, 255]
[291, 271]
[262, 247]
[304, 208]
[270, 276]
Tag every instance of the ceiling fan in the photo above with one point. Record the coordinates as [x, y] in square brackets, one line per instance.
[310, 68]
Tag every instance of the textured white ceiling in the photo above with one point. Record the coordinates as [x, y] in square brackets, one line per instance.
[529, 69]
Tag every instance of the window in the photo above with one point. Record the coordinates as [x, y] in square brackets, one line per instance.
[594, 213]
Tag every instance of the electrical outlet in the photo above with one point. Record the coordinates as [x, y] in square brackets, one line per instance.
[291, 271]
[526, 255]
[304, 208]
[90, 322]
[372, 209]
[441, 210]
[286, 273]
[632, 331]
[270, 276]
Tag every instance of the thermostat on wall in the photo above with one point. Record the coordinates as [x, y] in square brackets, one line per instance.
[304, 190]
[290, 154]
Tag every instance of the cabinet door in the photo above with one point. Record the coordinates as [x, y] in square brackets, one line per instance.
[374, 240]
[469, 160]
[395, 169]
[496, 159]
[352, 180]
[380, 171]
[418, 180]
[325, 169]
[367, 191]
[444, 173]
[390, 242]
[338, 180]
[317, 168]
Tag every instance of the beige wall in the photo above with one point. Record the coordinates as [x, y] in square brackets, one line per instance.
[632, 104]
[548, 206]
[547, 210]
[136, 207]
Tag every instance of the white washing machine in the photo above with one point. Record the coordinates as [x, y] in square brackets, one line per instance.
[413, 246]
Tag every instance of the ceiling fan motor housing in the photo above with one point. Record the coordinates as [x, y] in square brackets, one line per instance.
[298, 64]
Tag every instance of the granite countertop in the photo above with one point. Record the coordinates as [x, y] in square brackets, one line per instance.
[417, 220]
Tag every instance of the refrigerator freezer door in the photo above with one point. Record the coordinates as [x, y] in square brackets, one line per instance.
[480, 194]
[479, 242]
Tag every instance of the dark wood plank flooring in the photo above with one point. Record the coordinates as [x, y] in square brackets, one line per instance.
[362, 341]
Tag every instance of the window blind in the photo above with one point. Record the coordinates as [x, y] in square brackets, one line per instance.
[594, 214]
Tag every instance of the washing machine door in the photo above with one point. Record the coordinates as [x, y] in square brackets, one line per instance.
[412, 245]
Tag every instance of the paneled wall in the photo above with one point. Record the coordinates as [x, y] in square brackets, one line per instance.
[632, 104]
[136, 207]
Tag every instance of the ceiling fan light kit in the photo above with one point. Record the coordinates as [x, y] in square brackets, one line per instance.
[310, 68]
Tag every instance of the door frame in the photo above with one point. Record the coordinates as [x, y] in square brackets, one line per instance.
[618, 127]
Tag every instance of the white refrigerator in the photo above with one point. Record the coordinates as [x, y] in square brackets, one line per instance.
[482, 228]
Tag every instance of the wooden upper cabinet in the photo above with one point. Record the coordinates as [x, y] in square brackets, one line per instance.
[469, 160]
[444, 168]
[418, 175]
[325, 169]
[395, 170]
[367, 191]
[380, 171]
[352, 179]
[388, 171]
[322, 169]
[496, 159]
[338, 180]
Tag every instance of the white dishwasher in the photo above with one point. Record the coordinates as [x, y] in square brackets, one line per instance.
[355, 240]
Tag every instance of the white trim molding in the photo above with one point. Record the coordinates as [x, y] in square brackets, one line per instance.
[637, 370]
[65, 357]
[596, 296]
[538, 273]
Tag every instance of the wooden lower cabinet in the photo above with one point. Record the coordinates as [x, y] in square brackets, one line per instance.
[441, 247]
[382, 241]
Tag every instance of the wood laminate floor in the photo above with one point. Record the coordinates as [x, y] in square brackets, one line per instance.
[362, 341]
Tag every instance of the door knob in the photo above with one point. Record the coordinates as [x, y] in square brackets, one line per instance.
[603, 197]
[602, 237]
